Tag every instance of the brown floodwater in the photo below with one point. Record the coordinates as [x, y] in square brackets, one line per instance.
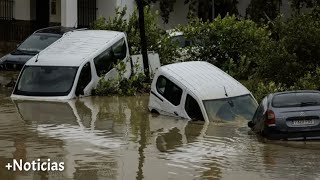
[117, 138]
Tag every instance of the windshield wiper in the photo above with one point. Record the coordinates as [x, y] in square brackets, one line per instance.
[309, 103]
[229, 100]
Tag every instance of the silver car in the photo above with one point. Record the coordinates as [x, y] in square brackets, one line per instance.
[291, 115]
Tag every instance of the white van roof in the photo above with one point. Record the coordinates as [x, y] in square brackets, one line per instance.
[204, 79]
[73, 48]
[173, 33]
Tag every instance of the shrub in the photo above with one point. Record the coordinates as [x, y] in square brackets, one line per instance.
[259, 88]
[296, 50]
[157, 39]
[122, 86]
[228, 43]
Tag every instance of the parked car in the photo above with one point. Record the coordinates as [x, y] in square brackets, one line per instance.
[179, 38]
[183, 44]
[73, 65]
[199, 90]
[31, 46]
[288, 115]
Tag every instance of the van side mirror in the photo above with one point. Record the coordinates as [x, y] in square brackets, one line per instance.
[250, 124]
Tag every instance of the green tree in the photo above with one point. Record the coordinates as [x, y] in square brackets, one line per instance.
[231, 44]
[297, 5]
[202, 9]
[262, 11]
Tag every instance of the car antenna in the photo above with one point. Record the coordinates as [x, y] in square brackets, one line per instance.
[37, 57]
[225, 91]
[75, 24]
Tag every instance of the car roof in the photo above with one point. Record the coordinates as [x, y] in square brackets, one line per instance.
[59, 30]
[174, 33]
[204, 79]
[74, 48]
[295, 91]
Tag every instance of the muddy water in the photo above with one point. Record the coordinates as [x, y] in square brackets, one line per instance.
[117, 138]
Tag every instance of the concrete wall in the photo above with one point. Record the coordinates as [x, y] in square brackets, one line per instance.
[130, 4]
[69, 13]
[22, 9]
[242, 6]
[56, 17]
[106, 8]
[178, 16]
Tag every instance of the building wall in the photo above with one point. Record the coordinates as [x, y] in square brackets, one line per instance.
[22, 9]
[242, 6]
[130, 4]
[55, 17]
[106, 8]
[178, 16]
[69, 13]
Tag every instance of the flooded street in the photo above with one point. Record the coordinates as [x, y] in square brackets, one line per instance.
[117, 138]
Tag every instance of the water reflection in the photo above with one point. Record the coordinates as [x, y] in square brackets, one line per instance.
[117, 138]
[69, 128]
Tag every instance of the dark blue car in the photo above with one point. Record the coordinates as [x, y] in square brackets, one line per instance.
[36, 42]
[291, 115]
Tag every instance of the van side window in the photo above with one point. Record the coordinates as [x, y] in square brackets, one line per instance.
[84, 79]
[120, 50]
[169, 90]
[104, 62]
[193, 109]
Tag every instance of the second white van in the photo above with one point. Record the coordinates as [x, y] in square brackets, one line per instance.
[199, 90]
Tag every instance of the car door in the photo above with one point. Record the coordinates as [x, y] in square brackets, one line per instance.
[192, 108]
[85, 83]
[168, 97]
[258, 118]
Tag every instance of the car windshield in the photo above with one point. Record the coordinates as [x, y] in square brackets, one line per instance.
[37, 42]
[229, 109]
[46, 81]
[181, 41]
[296, 99]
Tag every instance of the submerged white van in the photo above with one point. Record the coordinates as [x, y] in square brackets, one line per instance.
[73, 65]
[199, 90]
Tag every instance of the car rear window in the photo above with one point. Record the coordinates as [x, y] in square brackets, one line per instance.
[296, 99]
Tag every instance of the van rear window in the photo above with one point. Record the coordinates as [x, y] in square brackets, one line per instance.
[296, 99]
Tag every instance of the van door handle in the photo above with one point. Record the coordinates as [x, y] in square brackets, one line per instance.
[175, 113]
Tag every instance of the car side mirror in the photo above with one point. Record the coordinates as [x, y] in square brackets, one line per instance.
[17, 45]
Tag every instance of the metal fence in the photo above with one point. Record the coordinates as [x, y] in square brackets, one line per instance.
[87, 12]
[6, 9]
[15, 31]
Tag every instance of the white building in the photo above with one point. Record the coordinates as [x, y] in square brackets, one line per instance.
[83, 12]
[21, 17]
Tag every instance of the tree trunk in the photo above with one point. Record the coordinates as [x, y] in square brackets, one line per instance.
[143, 40]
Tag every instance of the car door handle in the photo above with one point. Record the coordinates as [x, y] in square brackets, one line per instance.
[175, 113]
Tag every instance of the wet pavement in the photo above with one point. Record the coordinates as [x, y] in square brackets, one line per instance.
[117, 138]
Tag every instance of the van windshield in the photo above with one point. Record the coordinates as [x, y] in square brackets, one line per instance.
[229, 109]
[46, 81]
